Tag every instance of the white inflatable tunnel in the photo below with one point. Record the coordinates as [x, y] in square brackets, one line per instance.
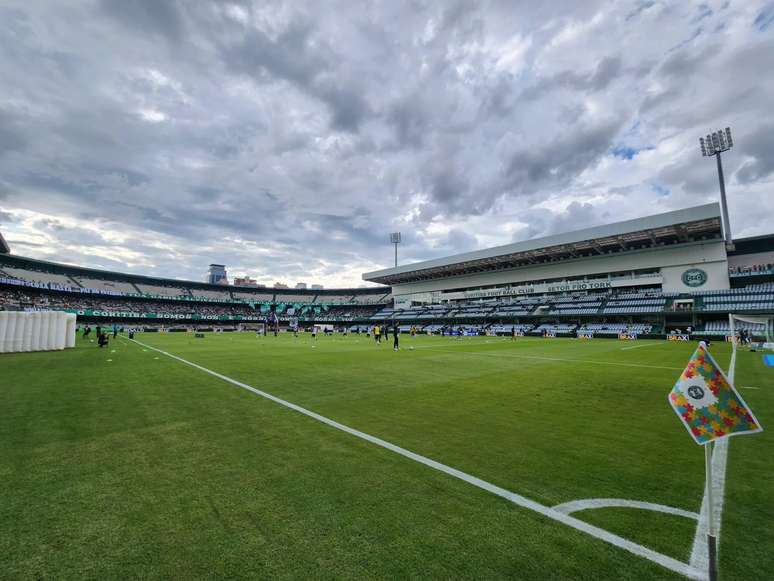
[3, 329]
[72, 328]
[40, 331]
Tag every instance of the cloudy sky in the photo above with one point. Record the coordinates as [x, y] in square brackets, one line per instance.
[287, 139]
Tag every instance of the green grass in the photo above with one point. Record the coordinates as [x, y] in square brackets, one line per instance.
[142, 467]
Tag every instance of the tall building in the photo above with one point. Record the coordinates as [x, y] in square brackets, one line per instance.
[280, 285]
[301, 285]
[217, 274]
[317, 287]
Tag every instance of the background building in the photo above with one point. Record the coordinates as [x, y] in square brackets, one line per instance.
[217, 274]
[245, 281]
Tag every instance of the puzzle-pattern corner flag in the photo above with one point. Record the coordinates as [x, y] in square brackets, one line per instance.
[707, 403]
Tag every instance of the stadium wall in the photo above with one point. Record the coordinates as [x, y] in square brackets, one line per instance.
[672, 262]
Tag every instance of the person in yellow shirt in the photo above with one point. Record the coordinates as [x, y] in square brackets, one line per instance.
[377, 334]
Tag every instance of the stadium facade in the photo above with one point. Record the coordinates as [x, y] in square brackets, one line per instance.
[675, 252]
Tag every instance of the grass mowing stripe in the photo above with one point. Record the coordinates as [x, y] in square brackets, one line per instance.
[639, 550]
[563, 360]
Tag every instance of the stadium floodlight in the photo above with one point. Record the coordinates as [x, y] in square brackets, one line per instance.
[715, 144]
[395, 239]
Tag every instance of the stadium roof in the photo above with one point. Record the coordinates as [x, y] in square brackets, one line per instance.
[680, 226]
[4, 248]
[752, 245]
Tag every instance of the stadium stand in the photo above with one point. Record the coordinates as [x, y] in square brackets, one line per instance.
[252, 296]
[508, 329]
[483, 291]
[221, 295]
[107, 285]
[293, 298]
[723, 328]
[172, 291]
[616, 328]
[432, 328]
[559, 329]
[40, 276]
[372, 299]
[333, 299]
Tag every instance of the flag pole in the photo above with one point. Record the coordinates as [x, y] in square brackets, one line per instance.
[711, 539]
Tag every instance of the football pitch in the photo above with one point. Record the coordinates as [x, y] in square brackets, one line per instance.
[154, 460]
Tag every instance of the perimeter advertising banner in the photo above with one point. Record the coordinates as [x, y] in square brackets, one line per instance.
[585, 335]
[678, 338]
[157, 316]
[627, 336]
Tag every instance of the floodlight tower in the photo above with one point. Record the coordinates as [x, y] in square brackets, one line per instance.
[395, 239]
[715, 144]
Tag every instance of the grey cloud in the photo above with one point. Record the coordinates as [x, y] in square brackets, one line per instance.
[694, 175]
[298, 57]
[156, 16]
[760, 147]
[606, 71]
[11, 136]
[545, 223]
[309, 133]
[640, 7]
[409, 120]
[458, 240]
[563, 158]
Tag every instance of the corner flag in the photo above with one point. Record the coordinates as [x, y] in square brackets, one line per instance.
[707, 403]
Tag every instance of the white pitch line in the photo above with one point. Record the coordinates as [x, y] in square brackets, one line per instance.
[541, 358]
[700, 550]
[590, 503]
[749, 387]
[640, 346]
[620, 542]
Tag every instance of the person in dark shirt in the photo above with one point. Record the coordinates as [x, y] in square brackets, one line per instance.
[395, 337]
[102, 340]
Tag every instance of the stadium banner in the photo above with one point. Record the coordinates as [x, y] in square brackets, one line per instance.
[585, 334]
[549, 333]
[681, 337]
[730, 338]
[627, 336]
[707, 403]
[134, 315]
[556, 287]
